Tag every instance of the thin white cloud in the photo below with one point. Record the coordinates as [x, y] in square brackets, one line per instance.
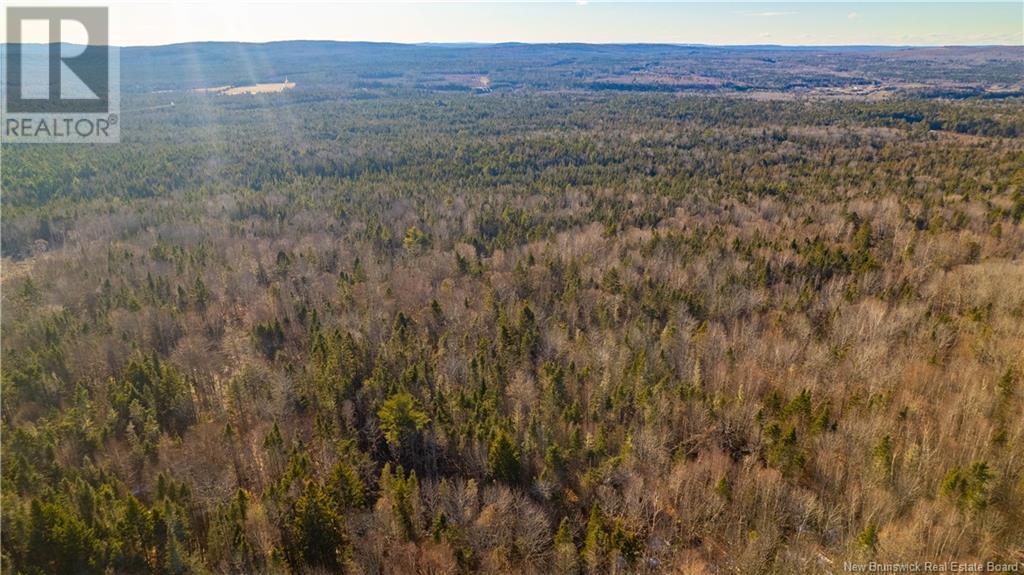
[853, 15]
[766, 14]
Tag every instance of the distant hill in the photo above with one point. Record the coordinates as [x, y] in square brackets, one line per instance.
[850, 71]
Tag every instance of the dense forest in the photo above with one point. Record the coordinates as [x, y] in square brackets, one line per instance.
[401, 329]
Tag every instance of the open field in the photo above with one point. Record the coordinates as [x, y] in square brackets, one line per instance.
[271, 88]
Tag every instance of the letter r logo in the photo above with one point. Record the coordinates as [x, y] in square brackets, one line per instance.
[56, 76]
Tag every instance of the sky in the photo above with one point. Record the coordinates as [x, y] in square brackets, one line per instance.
[156, 22]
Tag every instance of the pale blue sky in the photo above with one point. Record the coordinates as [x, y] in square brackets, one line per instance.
[141, 22]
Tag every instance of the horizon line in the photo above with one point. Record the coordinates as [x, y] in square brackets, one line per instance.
[485, 44]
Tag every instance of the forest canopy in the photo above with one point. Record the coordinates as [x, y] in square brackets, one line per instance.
[406, 330]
